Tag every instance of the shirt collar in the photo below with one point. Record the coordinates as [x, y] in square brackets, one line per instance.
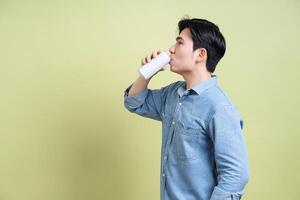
[198, 88]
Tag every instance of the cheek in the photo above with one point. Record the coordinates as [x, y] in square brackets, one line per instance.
[186, 62]
[181, 54]
[184, 51]
[185, 57]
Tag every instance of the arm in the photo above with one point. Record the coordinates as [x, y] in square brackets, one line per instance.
[230, 153]
[138, 86]
[141, 84]
[140, 100]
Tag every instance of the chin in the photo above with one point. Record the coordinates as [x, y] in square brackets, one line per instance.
[172, 68]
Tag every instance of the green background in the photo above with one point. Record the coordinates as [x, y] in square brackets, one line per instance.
[64, 132]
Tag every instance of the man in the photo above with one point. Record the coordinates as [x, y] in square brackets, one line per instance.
[203, 155]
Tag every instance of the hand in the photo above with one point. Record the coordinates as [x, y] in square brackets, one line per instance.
[150, 57]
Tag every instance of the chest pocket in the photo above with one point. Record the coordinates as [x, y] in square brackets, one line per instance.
[186, 142]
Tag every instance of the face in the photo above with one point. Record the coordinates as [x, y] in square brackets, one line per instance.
[182, 55]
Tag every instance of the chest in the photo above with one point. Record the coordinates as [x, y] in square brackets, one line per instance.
[191, 112]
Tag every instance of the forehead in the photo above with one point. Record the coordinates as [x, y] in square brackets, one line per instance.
[186, 34]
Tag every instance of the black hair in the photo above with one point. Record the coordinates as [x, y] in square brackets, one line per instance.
[205, 34]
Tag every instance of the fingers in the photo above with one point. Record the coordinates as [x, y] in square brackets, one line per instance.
[155, 53]
[143, 61]
[150, 56]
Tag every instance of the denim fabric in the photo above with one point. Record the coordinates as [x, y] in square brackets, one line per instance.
[203, 152]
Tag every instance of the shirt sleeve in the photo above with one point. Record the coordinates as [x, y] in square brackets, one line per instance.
[225, 129]
[148, 103]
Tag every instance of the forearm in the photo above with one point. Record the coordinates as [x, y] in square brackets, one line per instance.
[138, 86]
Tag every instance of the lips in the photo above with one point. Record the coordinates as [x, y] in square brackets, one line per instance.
[171, 60]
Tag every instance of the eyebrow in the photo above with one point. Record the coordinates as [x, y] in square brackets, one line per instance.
[179, 38]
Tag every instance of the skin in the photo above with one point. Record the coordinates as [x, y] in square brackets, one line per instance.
[191, 65]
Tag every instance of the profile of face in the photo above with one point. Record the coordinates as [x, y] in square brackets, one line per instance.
[183, 58]
[182, 53]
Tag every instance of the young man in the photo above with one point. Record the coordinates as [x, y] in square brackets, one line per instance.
[203, 155]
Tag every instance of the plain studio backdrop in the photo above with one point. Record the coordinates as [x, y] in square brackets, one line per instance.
[64, 132]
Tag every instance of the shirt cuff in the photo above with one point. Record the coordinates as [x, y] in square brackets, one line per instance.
[219, 194]
[134, 101]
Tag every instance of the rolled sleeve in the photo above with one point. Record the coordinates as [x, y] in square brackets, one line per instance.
[135, 101]
[219, 194]
[230, 153]
[147, 103]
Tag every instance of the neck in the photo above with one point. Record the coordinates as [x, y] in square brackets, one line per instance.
[194, 79]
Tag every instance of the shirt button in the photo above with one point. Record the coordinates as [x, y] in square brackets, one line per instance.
[165, 157]
[180, 103]
[163, 174]
[173, 122]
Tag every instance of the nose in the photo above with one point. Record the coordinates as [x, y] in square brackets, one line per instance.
[172, 49]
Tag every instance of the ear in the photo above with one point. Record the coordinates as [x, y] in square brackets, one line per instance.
[201, 55]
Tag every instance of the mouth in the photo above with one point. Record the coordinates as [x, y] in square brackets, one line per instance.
[171, 60]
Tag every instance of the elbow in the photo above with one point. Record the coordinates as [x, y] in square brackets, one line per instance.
[133, 106]
[242, 180]
[243, 174]
[245, 177]
[128, 107]
[235, 182]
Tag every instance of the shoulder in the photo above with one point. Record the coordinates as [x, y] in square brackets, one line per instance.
[216, 96]
[220, 102]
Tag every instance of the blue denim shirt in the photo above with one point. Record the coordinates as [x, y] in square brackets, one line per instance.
[203, 152]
